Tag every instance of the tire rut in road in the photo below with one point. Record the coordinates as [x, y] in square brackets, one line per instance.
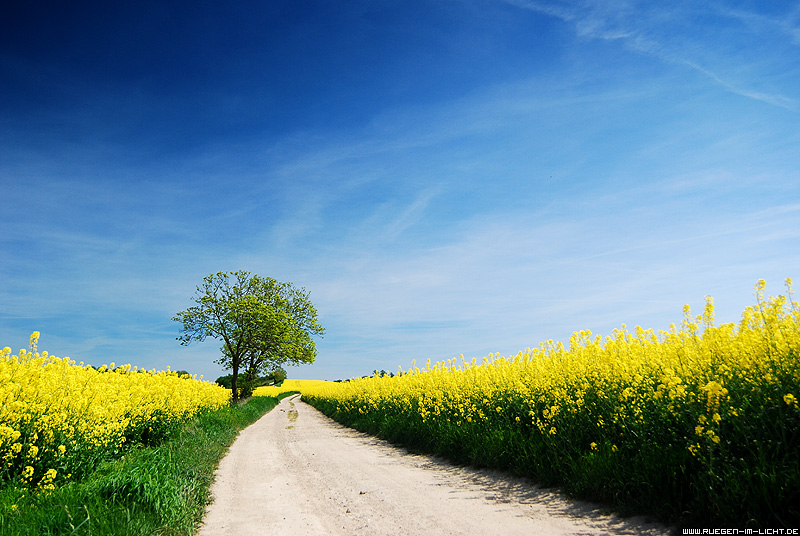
[297, 472]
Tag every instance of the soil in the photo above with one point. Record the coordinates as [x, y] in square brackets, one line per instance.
[296, 472]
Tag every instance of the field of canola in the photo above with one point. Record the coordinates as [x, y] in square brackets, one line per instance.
[288, 386]
[698, 424]
[58, 419]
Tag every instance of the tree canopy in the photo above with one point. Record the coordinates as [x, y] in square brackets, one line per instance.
[262, 323]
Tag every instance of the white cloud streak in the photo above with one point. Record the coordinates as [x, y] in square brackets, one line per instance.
[661, 31]
[491, 222]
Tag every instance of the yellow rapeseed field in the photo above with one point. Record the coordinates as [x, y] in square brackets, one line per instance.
[698, 422]
[58, 418]
[287, 386]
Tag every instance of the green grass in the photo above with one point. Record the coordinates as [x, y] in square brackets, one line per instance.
[160, 490]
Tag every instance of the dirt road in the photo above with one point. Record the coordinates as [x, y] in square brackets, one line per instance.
[295, 472]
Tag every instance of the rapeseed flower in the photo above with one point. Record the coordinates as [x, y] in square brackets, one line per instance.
[55, 413]
[694, 394]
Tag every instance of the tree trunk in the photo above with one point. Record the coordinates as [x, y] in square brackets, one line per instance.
[235, 382]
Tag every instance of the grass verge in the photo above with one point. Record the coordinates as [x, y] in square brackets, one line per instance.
[159, 490]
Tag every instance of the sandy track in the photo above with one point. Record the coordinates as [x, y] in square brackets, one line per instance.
[296, 472]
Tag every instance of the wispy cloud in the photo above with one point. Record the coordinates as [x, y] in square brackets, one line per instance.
[506, 283]
[760, 23]
[662, 31]
[580, 191]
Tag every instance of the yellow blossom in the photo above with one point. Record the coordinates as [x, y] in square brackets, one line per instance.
[50, 404]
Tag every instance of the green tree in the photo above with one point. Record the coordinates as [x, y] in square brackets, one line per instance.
[276, 377]
[247, 385]
[261, 322]
[224, 381]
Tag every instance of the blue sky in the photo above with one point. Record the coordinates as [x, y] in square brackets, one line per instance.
[444, 178]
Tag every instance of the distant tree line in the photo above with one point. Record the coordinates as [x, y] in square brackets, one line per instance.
[375, 373]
